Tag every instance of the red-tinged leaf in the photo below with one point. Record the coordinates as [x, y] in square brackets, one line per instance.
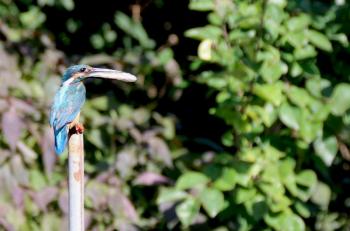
[19, 171]
[47, 148]
[12, 126]
[129, 208]
[44, 197]
[29, 155]
[6, 225]
[4, 155]
[125, 226]
[23, 106]
[150, 178]
[159, 150]
[126, 161]
[6, 179]
[97, 193]
[136, 134]
[63, 202]
[18, 197]
[88, 216]
[3, 105]
[103, 177]
[9, 71]
[121, 206]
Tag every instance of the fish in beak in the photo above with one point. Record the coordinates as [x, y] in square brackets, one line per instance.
[110, 74]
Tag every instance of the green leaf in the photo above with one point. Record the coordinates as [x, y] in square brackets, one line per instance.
[68, 4]
[244, 194]
[340, 99]
[296, 69]
[299, 22]
[50, 221]
[298, 96]
[296, 39]
[304, 52]
[287, 174]
[201, 5]
[187, 211]
[326, 149]
[302, 209]
[290, 116]
[286, 221]
[205, 50]
[134, 29]
[95, 137]
[341, 38]
[307, 178]
[100, 103]
[191, 180]
[227, 180]
[319, 40]
[321, 195]
[316, 86]
[270, 92]
[272, 67]
[213, 201]
[37, 179]
[309, 129]
[32, 18]
[170, 195]
[206, 32]
[165, 55]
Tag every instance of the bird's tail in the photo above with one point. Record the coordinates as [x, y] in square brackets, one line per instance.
[61, 137]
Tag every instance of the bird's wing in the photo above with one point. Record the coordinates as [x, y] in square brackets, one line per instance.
[66, 107]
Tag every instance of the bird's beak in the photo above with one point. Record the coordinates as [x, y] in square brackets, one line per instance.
[111, 74]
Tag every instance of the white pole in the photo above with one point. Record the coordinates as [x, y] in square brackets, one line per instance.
[76, 182]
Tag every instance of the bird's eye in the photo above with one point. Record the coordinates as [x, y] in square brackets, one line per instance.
[83, 69]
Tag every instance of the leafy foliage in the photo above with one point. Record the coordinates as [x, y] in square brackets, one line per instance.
[277, 72]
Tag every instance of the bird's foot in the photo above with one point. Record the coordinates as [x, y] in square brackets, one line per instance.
[79, 128]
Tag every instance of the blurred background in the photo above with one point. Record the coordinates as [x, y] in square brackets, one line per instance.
[240, 118]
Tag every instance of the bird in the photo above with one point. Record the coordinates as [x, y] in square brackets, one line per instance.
[70, 98]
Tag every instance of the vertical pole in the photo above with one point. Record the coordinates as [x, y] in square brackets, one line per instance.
[76, 182]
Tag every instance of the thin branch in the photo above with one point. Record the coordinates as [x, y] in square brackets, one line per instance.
[76, 182]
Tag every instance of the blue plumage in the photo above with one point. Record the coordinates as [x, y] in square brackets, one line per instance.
[61, 138]
[70, 97]
[66, 106]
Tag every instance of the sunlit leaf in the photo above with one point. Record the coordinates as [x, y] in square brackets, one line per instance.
[270, 92]
[187, 211]
[340, 99]
[212, 200]
[321, 195]
[227, 180]
[326, 149]
[201, 5]
[319, 40]
[33, 18]
[191, 179]
[201, 33]
[170, 194]
[290, 116]
[286, 221]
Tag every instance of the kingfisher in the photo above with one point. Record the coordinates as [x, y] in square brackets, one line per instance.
[70, 98]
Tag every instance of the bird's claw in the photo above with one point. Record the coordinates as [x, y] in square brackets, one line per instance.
[79, 128]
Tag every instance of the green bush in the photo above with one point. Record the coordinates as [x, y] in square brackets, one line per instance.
[277, 71]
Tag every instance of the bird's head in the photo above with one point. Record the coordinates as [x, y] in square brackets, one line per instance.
[78, 73]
